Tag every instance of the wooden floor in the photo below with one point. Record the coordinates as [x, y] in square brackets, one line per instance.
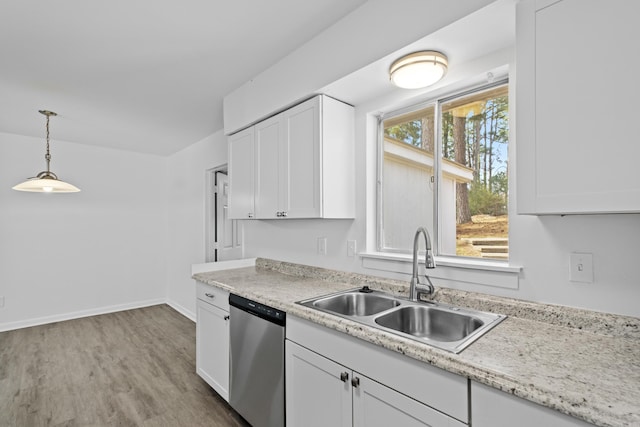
[131, 368]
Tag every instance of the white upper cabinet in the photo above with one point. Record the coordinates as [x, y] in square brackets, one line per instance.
[577, 106]
[300, 164]
[241, 199]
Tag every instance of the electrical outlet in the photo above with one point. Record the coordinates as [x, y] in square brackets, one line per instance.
[351, 248]
[322, 245]
[581, 267]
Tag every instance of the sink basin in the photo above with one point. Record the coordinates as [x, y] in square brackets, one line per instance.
[430, 322]
[355, 304]
[440, 325]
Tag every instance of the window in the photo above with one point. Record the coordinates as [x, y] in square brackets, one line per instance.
[444, 166]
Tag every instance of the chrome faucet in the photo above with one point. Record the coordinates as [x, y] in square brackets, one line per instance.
[416, 289]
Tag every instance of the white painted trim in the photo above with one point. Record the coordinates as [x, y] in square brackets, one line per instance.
[182, 310]
[494, 274]
[8, 326]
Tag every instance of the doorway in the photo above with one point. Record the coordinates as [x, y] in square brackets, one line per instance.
[224, 235]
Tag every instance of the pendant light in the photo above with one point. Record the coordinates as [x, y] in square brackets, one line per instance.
[46, 181]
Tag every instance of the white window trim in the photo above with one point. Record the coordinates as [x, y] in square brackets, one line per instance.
[448, 269]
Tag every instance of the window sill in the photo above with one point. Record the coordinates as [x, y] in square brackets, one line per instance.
[449, 269]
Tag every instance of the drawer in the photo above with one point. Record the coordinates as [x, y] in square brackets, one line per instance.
[212, 295]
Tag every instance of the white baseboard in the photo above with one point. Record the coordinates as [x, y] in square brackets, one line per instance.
[8, 326]
[180, 309]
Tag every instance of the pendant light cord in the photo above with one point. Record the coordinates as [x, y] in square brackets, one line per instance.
[48, 155]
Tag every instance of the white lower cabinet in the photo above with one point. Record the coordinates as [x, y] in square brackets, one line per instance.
[316, 396]
[494, 408]
[212, 338]
[321, 392]
[333, 379]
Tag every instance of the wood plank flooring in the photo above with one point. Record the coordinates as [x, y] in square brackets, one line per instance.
[131, 368]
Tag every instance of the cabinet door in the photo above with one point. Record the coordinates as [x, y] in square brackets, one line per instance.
[375, 405]
[241, 174]
[268, 149]
[317, 396]
[302, 175]
[212, 347]
[576, 116]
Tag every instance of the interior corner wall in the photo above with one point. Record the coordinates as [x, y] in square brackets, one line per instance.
[70, 255]
[186, 212]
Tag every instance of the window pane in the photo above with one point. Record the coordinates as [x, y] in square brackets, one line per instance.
[475, 137]
[407, 169]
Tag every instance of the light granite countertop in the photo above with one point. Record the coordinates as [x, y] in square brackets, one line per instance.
[581, 363]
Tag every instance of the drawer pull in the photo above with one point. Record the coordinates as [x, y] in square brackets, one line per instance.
[344, 377]
[207, 294]
[226, 317]
[355, 382]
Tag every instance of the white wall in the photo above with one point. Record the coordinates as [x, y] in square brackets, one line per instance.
[67, 255]
[541, 245]
[186, 211]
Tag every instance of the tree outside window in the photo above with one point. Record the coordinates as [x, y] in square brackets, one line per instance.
[472, 160]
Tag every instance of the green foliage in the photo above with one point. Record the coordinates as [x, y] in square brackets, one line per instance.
[482, 201]
[409, 132]
[500, 183]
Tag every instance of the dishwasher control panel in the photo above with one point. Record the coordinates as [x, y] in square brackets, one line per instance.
[263, 311]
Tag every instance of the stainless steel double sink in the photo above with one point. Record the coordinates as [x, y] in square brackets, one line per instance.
[440, 325]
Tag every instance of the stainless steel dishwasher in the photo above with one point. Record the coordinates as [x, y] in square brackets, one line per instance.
[256, 373]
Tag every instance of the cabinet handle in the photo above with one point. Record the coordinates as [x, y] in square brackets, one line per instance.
[226, 317]
[344, 377]
[250, 215]
[355, 382]
[284, 213]
[278, 214]
[207, 294]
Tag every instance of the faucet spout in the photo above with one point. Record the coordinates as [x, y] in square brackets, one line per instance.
[416, 288]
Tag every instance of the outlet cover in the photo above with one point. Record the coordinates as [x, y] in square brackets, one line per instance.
[581, 267]
[351, 248]
[322, 245]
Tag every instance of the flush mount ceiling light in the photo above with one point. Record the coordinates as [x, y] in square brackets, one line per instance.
[46, 181]
[418, 69]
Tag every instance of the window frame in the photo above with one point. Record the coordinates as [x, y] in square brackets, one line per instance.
[437, 102]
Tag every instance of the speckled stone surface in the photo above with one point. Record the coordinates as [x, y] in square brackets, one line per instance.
[581, 363]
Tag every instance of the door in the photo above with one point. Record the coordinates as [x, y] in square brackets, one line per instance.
[212, 347]
[241, 175]
[318, 389]
[302, 176]
[375, 405]
[228, 232]
[268, 151]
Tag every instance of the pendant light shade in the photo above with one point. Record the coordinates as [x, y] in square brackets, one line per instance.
[418, 69]
[46, 181]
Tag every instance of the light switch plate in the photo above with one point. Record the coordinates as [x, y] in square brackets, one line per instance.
[581, 264]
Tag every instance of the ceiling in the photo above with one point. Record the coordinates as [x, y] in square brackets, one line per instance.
[142, 75]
